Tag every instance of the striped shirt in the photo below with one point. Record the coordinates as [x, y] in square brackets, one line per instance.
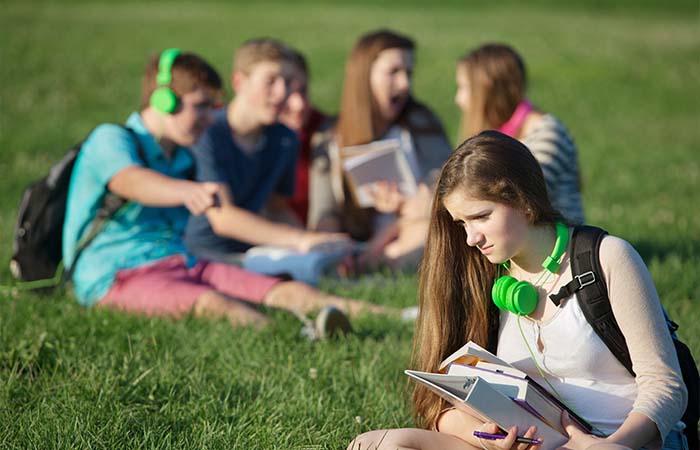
[556, 152]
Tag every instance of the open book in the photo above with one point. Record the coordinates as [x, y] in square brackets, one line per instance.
[483, 385]
[307, 267]
[364, 165]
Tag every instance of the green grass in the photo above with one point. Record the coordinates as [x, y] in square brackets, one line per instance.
[624, 77]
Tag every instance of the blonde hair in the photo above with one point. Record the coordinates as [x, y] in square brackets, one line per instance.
[255, 51]
[497, 83]
[455, 279]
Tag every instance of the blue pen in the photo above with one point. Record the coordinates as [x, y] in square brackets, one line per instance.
[493, 437]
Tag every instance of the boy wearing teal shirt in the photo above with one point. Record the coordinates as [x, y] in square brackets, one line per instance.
[138, 261]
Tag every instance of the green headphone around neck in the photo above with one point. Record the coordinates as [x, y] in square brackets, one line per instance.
[520, 297]
[163, 98]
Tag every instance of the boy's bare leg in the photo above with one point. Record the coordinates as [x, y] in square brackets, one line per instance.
[408, 439]
[238, 313]
[300, 297]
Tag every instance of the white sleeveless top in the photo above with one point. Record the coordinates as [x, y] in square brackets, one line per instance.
[592, 382]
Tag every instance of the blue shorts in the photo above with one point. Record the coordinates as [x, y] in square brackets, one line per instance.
[675, 441]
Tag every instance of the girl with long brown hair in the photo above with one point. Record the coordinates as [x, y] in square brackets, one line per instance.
[491, 92]
[490, 208]
[377, 104]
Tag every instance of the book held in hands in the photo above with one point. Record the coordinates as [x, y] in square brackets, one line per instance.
[488, 388]
[365, 165]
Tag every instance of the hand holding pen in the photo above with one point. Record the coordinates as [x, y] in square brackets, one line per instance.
[491, 437]
[494, 437]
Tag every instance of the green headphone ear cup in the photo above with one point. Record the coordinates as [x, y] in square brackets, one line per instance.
[164, 100]
[499, 290]
[522, 298]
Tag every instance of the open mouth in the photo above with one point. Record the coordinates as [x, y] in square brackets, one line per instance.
[397, 101]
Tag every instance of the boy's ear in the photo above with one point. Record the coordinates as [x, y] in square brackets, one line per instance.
[238, 77]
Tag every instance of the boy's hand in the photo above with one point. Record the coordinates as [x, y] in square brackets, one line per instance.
[198, 197]
[311, 239]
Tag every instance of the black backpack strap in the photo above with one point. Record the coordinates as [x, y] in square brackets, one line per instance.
[589, 285]
[592, 292]
[110, 204]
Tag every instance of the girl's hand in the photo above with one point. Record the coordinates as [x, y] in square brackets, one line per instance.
[418, 206]
[507, 443]
[578, 439]
[387, 197]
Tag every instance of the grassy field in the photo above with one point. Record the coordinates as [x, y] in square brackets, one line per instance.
[625, 78]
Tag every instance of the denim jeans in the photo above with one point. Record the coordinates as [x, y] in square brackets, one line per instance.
[675, 441]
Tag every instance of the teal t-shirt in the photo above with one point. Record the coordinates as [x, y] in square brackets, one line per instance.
[137, 234]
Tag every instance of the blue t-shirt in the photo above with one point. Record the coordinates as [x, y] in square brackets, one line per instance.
[137, 234]
[251, 176]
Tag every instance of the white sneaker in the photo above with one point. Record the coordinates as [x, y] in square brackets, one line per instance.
[410, 314]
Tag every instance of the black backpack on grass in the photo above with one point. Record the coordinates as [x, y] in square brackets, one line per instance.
[38, 237]
[592, 294]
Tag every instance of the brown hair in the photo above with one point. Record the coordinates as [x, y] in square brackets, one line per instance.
[497, 83]
[358, 111]
[189, 72]
[299, 61]
[455, 279]
[258, 50]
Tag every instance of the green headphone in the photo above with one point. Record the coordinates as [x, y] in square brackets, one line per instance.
[163, 98]
[520, 297]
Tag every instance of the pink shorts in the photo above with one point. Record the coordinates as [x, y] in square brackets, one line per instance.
[168, 287]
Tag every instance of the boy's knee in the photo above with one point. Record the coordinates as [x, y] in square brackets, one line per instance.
[288, 290]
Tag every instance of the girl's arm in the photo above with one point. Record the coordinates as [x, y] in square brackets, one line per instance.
[661, 393]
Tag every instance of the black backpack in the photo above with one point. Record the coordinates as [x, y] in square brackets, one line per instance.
[592, 294]
[38, 237]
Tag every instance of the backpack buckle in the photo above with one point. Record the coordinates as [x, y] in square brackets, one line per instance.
[585, 279]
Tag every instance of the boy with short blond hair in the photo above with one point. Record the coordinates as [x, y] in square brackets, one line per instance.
[254, 155]
[258, 50]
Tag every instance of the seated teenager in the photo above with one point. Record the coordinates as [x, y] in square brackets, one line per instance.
[377, 104]
[138, 261]
[309, 123]
[254, 156]
[491, 208]
[491, 92]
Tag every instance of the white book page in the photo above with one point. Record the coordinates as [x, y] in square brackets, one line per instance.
[471, 353]
[368, 164]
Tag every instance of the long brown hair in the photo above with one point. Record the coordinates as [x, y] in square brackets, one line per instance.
[497, 83]
[455, 279]
[358, 111]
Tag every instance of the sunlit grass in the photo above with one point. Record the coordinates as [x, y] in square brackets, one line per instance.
[624, 79]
